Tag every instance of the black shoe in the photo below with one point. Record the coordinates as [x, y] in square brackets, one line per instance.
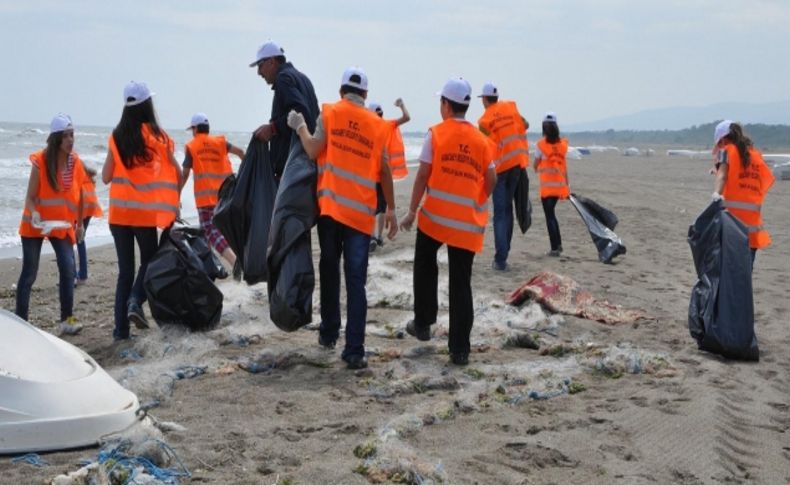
[499, 267]
[421, 333]
[356, 362]
[237, 270]
[136, 316]
[460, 358]
[327, 344]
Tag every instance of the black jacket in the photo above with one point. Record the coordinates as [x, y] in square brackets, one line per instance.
[292, 91]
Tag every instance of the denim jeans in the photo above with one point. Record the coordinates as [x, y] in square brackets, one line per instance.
[552, 224]
[337, 239]
[128, 287]
[82, 252]
[31, 254]
[504, 192]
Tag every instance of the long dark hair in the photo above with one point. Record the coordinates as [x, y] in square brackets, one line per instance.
[128, 134]
[551, 131]
[742, 142]
[51, 158]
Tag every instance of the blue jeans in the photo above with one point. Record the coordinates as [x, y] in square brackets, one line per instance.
[129, 288]
[337, 239]
[504, 193]
[31, 254]
[82, 252]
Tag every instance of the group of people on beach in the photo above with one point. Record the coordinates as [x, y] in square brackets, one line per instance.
[358, 155]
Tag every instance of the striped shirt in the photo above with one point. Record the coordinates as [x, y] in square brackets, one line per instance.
[66, 177]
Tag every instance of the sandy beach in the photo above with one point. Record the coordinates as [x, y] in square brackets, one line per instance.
[645, 405]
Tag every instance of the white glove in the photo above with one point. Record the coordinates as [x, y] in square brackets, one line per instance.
[295, 120]
[716, 196]
[35, 219]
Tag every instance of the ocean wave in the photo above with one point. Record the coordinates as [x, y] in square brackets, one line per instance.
[31, 131]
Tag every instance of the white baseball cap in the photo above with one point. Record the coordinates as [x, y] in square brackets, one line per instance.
[489, 89]
[61, 122]
[198, 119]
[267, 50]
[135, 93]
[722, 130]
[457, 90]
[355, 71]
[550, 116]
[375, 106]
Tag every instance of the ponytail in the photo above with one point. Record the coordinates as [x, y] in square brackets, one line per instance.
[741, 142]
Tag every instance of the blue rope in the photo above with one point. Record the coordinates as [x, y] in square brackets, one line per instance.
[31, 459]
[133, 464]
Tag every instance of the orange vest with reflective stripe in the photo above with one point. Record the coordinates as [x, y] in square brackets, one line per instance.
[454, 211]
[350, 164]
[506, 128]
[397, 153]
[54, 205]
[90, 203]
[553, 169]
[146, 194]
[745, 191]
[211, 166]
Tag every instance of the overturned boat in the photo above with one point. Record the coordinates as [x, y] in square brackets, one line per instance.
[54, 396]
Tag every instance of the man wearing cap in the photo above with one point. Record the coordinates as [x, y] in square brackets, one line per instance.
[502, 122]
[292, 91]
[349, 145]
[456, 177]
[208, 155]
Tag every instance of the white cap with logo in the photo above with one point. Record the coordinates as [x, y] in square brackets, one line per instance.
[355, 77]
[198, 119]
[489, 89]
[457, 90]
[61, 122]
[722, 130]
[267, 50]
[550, 116]
[135, 93]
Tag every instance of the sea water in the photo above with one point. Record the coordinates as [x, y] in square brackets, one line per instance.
[19, 140]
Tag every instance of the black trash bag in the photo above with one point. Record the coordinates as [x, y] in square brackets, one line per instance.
[607, 217]
[244, 211]
[179, 290]
[291, 275]
[721, 309]
[523, 204]
[196, 239]
[606, 241]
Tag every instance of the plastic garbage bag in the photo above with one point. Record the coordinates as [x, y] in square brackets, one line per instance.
[606, 241]
[244, 210]
[291, 275]
[607, 217]
[179, 289]
[721, 309]
[195, 237]
[523, 204]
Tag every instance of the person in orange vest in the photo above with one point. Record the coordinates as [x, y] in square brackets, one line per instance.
[349, 146]
[503, 123]
[552, 169]
[91, 208]
[53, 210]
[397, 159]
[145, 183]
[455, 179]
[208, 156]
[742, 181]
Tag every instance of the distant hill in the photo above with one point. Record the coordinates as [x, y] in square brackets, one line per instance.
[676, 118]
[766, 137]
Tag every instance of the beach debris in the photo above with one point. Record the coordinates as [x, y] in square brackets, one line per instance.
[622, 359]
[188, 372]
[32, 459]
[130, 354]
[269, 361]
[241, 340]
[561, 294]
[522, 340]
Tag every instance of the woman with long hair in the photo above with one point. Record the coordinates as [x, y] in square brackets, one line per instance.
[145, 182]
[552, 169]
[53, 210]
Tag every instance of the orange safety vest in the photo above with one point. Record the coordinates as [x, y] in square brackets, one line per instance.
[506, 128]
[146, 194]
[52, 205]
[553, 169]
[90, 203]
[397, 153]
[745, 191]
[211, 166]
[454, 211]
[350, 164]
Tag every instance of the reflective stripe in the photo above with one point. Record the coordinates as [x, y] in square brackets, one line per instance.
[347, 175]
[742, 205]
[145, 187]
[550, 170]
[553, 184]
[27, 219]
[456, 199]
[204, 193]
[57, 202]
[511, 154]
[130, 204]
[396, 154]
[510, 138]
[89, 194]
[217, 176]
[350, 203]
[463, 226]
[752, 229]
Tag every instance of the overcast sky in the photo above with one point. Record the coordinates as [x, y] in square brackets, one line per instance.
[586, 60]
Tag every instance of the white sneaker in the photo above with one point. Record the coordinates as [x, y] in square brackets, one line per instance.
[69, 326]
